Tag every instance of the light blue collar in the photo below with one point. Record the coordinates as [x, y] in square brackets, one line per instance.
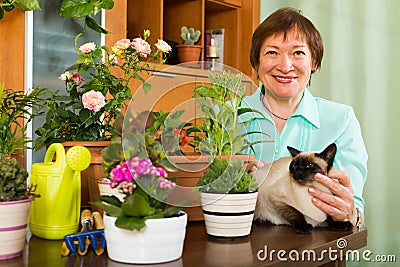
[307, 108]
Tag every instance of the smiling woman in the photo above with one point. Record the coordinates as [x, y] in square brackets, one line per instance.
[286, 50]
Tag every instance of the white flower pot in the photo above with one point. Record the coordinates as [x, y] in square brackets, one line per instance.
[160, 241]
[228, 215]
[13, 222]
[105, 189]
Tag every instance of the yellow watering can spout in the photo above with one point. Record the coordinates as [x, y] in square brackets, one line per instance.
[56, 213]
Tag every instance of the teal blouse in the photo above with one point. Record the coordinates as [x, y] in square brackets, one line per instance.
[315, 124]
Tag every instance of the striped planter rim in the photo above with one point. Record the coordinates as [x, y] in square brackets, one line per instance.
[5, 203]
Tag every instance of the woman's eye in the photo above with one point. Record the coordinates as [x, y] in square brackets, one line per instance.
[270, 53]
[299, 53]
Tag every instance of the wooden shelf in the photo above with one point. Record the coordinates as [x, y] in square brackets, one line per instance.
[164, 18]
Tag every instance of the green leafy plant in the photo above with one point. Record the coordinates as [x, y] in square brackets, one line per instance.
[189, 35]
[16, 109]
[147, 134]
[75, 9]
[24, 5]
[221, 131]
[88, 111]
[137, 166]
[13, 181]
[227, 176]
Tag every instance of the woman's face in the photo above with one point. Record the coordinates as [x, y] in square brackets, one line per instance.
[285, 65]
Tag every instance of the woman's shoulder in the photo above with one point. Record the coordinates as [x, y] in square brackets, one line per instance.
[329, 109]
[330, 105]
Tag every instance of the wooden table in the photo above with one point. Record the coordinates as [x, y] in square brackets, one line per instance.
[265, 245]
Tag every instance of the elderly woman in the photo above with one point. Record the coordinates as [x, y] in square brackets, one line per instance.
[286, 50]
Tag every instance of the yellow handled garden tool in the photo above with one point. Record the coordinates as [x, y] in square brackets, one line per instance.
[79, 243]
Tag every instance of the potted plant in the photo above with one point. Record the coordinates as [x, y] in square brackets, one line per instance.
[228, 195]
[97, 90]
[15, 196]
[220, 132]
[154, 145]
[136, 164]
[188, 51]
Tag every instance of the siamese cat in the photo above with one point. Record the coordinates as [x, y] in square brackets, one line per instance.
[283, 196]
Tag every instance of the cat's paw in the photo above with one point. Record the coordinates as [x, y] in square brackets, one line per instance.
[304, 228]
[341, 226]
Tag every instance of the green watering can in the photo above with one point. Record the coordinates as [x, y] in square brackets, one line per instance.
[56, 212]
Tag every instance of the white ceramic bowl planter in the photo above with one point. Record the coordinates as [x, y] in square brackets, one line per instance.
[105, 189]
[160, 241]
[228, 215]
[13, 222]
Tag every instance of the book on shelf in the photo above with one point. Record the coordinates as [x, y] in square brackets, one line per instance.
[214, 45]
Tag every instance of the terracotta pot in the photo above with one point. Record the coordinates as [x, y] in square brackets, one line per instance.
[188, 53]
[90, 176]
[190, 167]
[13, 223]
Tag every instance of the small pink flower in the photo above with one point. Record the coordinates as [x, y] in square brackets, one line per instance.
[78, 79]
[71, 76]
[87, 48]
[141, 46]
[93, 100]
[65, 76]
[164, 183]
[122, 44]
[161, 172]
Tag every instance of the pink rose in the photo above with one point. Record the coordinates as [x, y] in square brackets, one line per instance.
[71, 76]
[122, 44]
[87, 48]
[141, 46]
[93, 100]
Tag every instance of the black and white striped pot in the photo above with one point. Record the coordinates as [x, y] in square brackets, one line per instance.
[228, 215]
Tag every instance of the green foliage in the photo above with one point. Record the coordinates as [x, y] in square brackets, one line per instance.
[75, 9]
[225, 176]
[145, 135]
[24, 5]
[189, 35]
[16, 110]
[135, 210]
[221, 106]
[13, 180]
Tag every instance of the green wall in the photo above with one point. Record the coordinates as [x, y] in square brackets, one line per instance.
[360, 68]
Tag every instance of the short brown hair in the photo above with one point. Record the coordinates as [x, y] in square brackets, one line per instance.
[282, 21]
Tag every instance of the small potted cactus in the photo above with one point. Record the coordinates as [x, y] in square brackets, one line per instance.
[188, 51]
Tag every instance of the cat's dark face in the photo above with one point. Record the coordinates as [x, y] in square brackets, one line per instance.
[305, 165]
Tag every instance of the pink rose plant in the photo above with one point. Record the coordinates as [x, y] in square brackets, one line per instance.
[97, 88]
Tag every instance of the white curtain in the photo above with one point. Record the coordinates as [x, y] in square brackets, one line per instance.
[360, 68]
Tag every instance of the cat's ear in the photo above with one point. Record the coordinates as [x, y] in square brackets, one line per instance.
[328, 154]
[293, 151]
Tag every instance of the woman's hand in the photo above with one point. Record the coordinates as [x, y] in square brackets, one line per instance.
[340, 204]
[255, 165]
